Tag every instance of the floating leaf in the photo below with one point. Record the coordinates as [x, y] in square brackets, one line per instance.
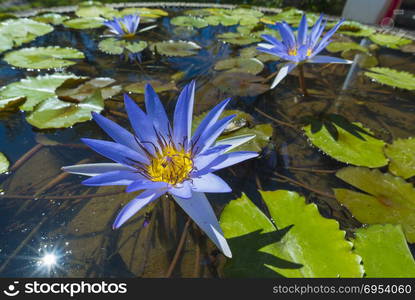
[84, 23]
[116, 47]
[402, 157]
[349, 148]
[298, 249]
[33, 89]
[43, 57]
[4, 164]
[262, 132]
[175, 48]
[189, 22]
[364, 60]
[343, 46]
[240, 84]
[238, 38]
[158, 86]
[242, 65]
[353, 28]
[389, 40]
[15, 32]
[252, 52]
[390, 199]
[384, 252]
[94, 11]
[144, 12]
[51, 18]
[54, 113]
[395, 78]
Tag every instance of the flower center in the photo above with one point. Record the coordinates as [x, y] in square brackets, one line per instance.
[170, 165]
[292, 52]
[309, 51]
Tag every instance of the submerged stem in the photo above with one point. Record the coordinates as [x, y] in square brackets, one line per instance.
[302, 80]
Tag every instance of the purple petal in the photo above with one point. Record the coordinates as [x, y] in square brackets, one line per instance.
[95, 169]
[287, 35]
[112, 178]
[287, 68]
[182, 123]
[235, 141]
[184, 191]
[155, 110]
[322, 59]
[322, 44]
[145, 184]
[199, 209]
[271, 39]
[210, 183]
[116, 132]
[229, 159]
[135, 205]
[116, 152]
[204, 159]
[209, 136]
[302, 31]
[210, 119]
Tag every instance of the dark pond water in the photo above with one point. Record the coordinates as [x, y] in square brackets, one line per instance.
[79, 230]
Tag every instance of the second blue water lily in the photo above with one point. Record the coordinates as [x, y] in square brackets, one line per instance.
[300, 48]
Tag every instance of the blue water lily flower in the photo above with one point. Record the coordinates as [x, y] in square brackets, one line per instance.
[302, 48]
[124, 27]
[159, 158]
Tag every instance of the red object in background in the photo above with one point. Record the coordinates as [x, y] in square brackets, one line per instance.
[390, 13]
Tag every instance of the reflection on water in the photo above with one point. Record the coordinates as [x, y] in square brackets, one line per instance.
[53, 226]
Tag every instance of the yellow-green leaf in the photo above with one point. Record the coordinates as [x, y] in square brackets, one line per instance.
[402, 157]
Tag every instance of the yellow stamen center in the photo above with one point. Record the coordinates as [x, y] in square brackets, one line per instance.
[170, 165]
[309, 51]
[292, 52]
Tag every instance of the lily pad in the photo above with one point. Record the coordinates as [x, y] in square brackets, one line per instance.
[158, 86]
[353, 28]
[84, 23]
[402, 157]
[144, 12]
[252, 52]
[296, 246]
[395, 78]
[344, 46]
[389, 40]
[33, 89]
[384, 251]
[262, 132]
[238, 38]
[43, 57]
[189, 21]
[96, 11]
[349, 148]
[51, 18]
[175, 48]
[389, 199]
[240, 84]
[4, 163]
[55, 113]
[116, 47]
[15, 32]
[242, 65]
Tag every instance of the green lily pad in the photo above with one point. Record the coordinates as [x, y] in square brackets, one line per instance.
[348, 148]
[364, 59]
[96, 11]
[15, 32]
[51, 18]
[343, 46]
[243, 65]
[395, 78]
[175, 48]
[33, 89]
[4, 163]
[55, 113]
[158, 86]
[384, 252]
[296, 246]
[43, 57]
[116, 47]
[389, 199]
[236, 38]
[189, 21]
[389, 40]
[402, 157]
[144, 12]
[84, 23]
[353, 28]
